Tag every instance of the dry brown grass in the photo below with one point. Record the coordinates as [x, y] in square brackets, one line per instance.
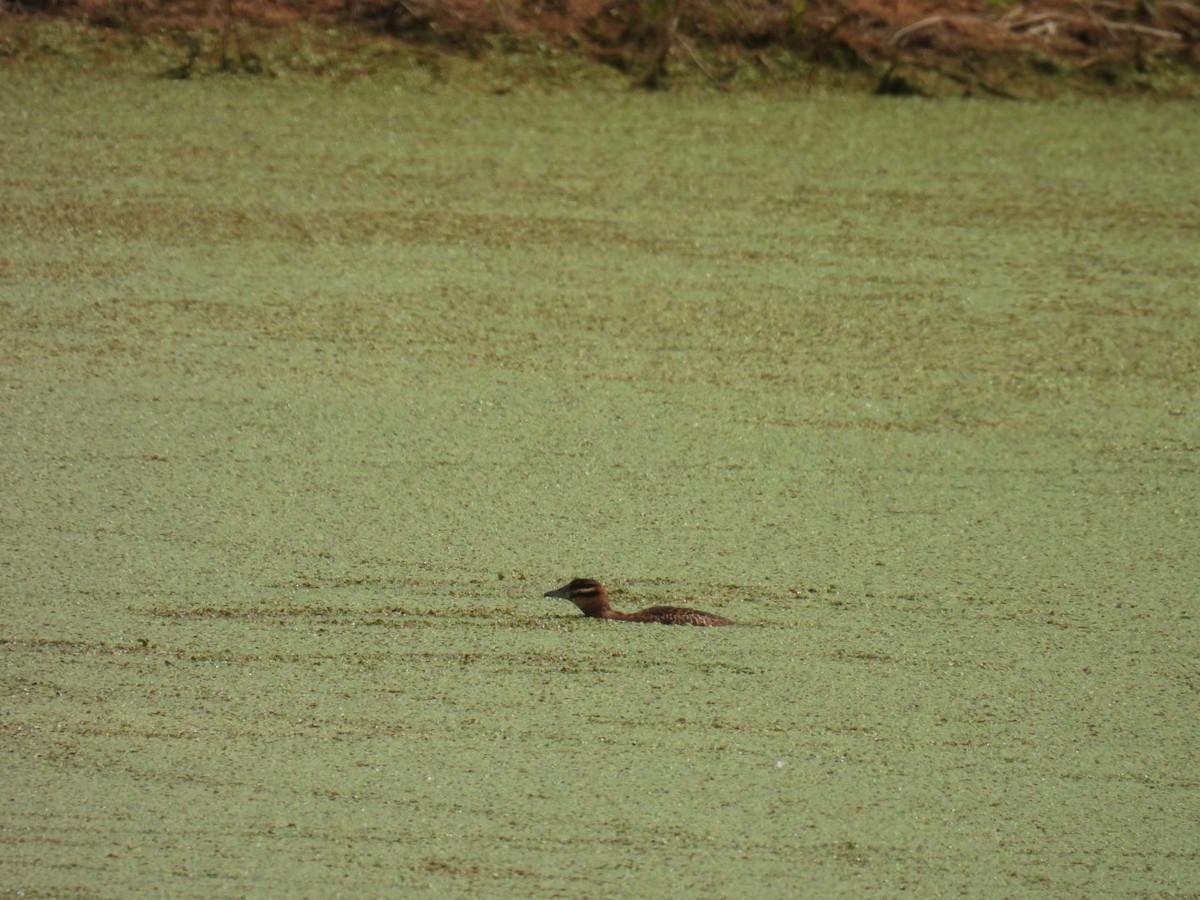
[981, 44]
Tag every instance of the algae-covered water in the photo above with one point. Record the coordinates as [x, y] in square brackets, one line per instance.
[310, 392]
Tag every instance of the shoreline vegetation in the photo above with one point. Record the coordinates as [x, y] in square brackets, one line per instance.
[1003, 49]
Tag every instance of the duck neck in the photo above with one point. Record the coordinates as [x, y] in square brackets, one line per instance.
[596, 605]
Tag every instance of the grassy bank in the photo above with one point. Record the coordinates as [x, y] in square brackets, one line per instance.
[932, 48]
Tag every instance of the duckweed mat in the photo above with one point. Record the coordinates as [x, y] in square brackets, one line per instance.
[311, 392]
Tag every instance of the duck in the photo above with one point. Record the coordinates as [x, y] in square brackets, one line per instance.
[592, 599]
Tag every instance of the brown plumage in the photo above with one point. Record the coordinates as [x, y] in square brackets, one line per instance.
[592, 599]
